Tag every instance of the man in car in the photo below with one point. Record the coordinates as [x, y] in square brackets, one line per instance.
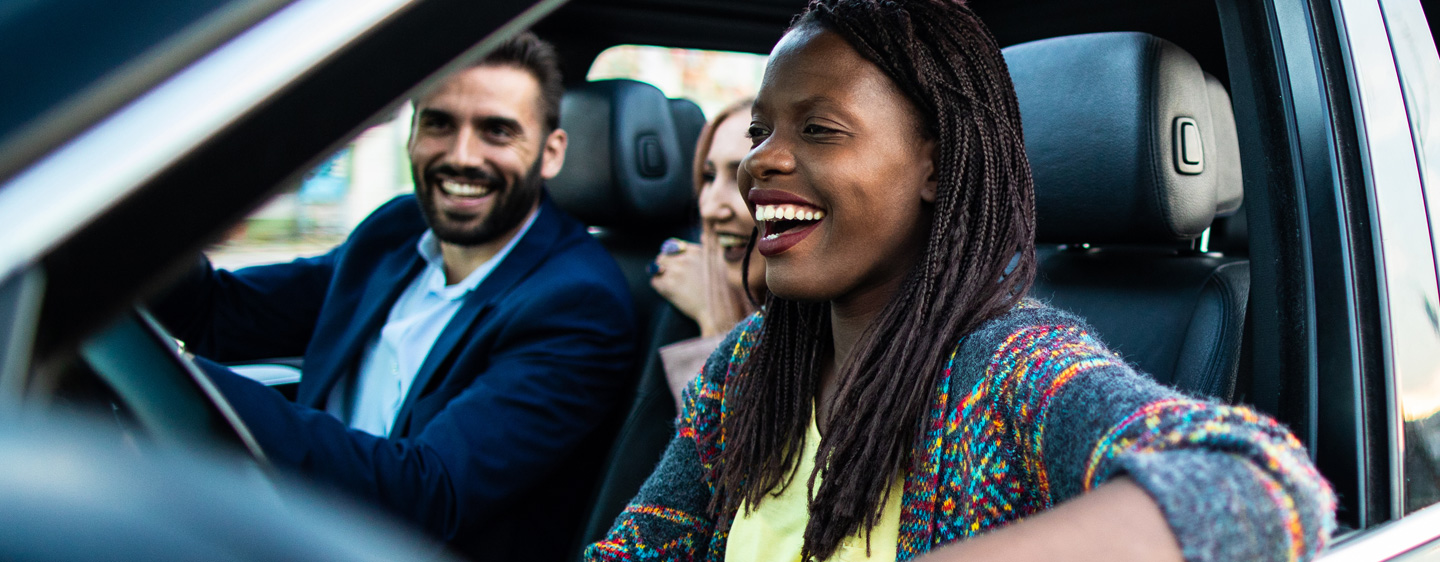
[459, 347]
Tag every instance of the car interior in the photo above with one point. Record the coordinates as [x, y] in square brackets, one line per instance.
[1121, 200]
[1146, 127]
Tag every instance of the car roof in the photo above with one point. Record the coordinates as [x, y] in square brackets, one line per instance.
[68, 62]
[582, 28]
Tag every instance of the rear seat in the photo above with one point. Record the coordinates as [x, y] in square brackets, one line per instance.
[1119, 210]
[628, 175]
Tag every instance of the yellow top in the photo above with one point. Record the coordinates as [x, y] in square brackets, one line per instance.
[776, 531]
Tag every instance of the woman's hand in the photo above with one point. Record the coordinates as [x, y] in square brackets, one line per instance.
[677, 276]
[1116, 521]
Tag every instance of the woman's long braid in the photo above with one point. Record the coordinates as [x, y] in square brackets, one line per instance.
[978, 261]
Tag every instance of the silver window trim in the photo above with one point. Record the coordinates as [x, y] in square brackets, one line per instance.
[80, 180]
[1405, 273]
[1388, 540]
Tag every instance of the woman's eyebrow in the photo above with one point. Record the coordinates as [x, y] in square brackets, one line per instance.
[832, 107]
[817, 100]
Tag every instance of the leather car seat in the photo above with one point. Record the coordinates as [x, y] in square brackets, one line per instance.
[1134, 154]
[628, 175]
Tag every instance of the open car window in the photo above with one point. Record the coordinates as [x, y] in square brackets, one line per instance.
[313, 214]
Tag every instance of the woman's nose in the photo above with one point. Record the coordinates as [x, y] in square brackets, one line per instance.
[768, 159]
[712, 204]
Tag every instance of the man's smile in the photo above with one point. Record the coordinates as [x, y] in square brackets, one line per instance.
[466, 190]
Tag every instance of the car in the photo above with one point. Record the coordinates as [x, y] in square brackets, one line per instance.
[137, 133]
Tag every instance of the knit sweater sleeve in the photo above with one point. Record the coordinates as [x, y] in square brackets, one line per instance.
[1233, 484]
[670, 519]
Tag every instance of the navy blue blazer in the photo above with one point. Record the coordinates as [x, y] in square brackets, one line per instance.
[484, 449]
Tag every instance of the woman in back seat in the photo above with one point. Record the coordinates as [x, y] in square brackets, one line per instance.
[897, 393]
[708, 283]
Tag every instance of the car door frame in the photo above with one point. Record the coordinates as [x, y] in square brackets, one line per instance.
[326, 68]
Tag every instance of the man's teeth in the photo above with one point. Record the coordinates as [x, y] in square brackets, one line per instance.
[787, 212]
[458, 189]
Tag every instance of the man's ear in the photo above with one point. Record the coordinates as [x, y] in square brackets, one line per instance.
[554, 153]
[932, 182]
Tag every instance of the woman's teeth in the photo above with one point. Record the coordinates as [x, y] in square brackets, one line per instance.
[457, 189]
[728, 241]
[787, 212]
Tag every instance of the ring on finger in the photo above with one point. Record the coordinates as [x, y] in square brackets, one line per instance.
[672, 246]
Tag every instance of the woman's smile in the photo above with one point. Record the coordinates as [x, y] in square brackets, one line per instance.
[784, 219]
[838, 176]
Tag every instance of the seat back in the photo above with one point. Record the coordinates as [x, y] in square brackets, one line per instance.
[628, 175]
[1134, 155]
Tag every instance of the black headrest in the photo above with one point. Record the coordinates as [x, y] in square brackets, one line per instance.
[689, 121]
[628, 163]
[1121, 138]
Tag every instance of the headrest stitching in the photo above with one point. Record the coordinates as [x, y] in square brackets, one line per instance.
[1153, 133]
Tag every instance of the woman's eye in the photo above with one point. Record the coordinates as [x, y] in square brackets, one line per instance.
[756, 134]
[813, 129]
[707, 178]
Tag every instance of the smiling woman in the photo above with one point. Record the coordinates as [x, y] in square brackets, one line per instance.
[897, 392]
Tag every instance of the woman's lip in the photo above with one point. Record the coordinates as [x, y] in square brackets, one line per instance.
[763, 196]
[770, 246]
[733, 254]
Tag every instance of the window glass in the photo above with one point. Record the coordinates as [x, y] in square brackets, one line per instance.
[317, 213]
[1419, 392]
[711, 79]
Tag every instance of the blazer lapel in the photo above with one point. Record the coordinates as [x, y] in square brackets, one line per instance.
[385, 284]
[532, 249]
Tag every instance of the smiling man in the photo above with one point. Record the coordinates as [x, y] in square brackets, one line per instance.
[459, 347]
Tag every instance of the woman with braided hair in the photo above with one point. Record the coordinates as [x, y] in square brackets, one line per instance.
[897, 395]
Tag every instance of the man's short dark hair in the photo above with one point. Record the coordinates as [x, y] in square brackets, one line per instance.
[538, 57]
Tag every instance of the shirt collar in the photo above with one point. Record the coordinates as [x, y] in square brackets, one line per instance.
[429, 249]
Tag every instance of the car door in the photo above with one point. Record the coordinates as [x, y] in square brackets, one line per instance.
[132, 134]
[185, 134]
[1362, 78]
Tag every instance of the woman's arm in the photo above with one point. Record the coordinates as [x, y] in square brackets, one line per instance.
[668, 519]
[1071, 416]
[1113, 523]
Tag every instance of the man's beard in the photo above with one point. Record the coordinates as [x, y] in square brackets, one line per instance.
[512, 204]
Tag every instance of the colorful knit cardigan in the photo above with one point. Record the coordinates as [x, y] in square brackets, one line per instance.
[1031, 410]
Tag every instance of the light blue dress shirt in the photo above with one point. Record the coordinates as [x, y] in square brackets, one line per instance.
[393, 357]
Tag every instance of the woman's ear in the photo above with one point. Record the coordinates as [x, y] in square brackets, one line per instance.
[932, 180]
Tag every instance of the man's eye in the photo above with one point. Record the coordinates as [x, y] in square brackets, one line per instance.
[813, 129]
[432, 124]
